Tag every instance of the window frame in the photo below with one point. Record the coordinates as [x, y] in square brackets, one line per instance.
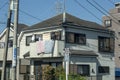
[83, 67]
[37, 36]
[76, 38]
[27, 69]
[67, 36]
[56, 35]
[104, 44]
[103, 69]
[28, 44]
[108, 23]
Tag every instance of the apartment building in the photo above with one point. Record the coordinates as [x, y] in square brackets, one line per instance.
[112, 22]
[10, 49]
[91, 48]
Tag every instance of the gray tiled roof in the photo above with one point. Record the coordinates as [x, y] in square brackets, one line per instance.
[70, 19]
[21, 27]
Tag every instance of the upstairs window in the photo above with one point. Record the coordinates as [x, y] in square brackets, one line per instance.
[28, 40]
[108, 23]
[56, 35]
[38, 37]
[103, 69]
[70, 37]
[76, 38]
[106, 44]
[83, 70]
[80, 38]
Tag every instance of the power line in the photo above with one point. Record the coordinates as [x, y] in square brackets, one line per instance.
[3, 5]
[87, 10]
[106, 11]
[95, 7]
[2, 22]
[30, 15]
[101, 11]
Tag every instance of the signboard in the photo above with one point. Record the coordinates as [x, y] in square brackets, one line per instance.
[14, 57]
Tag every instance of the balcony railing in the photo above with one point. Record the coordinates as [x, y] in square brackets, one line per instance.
[40, 49]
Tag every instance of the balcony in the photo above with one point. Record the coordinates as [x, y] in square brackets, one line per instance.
[41, 50]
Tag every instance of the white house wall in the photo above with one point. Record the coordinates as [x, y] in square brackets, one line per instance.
[104, 59]
[10, 50]
[32, 48]
[91, 61]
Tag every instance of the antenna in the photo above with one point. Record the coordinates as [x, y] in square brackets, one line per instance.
[58, 7]
[64, 12]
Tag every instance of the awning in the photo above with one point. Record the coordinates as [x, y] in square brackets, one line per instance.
[83, 53]
[117, 72]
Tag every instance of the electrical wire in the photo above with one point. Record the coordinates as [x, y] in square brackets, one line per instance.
[3, 5]
[87, 10]
[106, 11]
[2, 8]
[29, 15]
[101, 11]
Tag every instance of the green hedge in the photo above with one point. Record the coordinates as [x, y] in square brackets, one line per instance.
[72, 77]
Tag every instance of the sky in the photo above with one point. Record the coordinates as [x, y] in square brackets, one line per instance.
[35, 11]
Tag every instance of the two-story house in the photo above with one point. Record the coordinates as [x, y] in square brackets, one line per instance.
[10, 49]
[91, 48]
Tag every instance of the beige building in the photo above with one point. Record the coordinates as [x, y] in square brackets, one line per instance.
[91, 46]
[10, 49]
[112, 22]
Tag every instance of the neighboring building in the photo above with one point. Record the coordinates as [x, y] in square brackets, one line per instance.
[10, 49]
[112, 22]
[91, 46]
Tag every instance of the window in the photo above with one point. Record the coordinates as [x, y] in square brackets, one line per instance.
[106, 44]
[70, 37]
[24, 69]
[75, 38]
[38, 37]
[56, 35]
[103, 69]
[80, 38]
[108, 23]
[2, 44]
[28, 40]
[10, 43]
[83, 70]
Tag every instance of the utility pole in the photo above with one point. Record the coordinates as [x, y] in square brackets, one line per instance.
[67, 60]
[14, 60]
[6, 43]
